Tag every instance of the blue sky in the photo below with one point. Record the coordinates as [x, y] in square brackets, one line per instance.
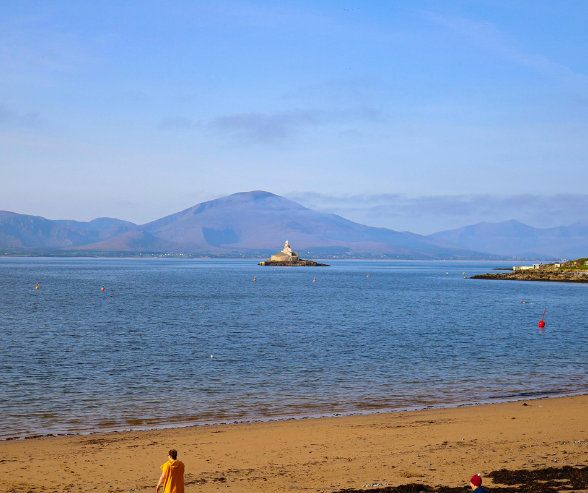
[410, 115]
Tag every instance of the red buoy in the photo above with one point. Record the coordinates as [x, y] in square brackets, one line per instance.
[102, 289]
[542, 322]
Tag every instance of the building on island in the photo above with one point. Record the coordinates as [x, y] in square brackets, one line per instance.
[286, 255]
[287, 258]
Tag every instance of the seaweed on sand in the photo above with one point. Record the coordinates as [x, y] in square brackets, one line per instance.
[548, 480]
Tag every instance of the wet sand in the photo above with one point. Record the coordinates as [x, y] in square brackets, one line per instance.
[435, 447]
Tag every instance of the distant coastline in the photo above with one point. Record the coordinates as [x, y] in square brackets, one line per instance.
[6, 253]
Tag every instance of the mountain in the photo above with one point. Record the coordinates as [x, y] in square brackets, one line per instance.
[261, 220]
[243, 223]
[518, 239]
[23, 231]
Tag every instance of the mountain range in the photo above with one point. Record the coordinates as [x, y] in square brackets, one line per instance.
[259, 222]
[514, 238]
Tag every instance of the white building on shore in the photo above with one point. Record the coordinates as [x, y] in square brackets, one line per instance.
[526, 267]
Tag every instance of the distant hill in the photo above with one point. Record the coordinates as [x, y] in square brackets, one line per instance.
[248, 222]
[107, 225]
[23, 231]
[131, 241]
[518, 239]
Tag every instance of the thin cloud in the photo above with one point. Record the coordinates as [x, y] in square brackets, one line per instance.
[450, 204]
[433, 213]
[9, 117]
[178, 123]
[489, 37]
[269, 128]
[264, 128]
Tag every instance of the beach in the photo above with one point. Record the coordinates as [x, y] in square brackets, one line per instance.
[157, 350]
[435, 447]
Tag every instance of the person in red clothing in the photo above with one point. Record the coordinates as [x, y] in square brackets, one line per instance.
[476, 484]
[172, 474]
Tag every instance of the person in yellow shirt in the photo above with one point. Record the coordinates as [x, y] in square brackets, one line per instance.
[172, 475]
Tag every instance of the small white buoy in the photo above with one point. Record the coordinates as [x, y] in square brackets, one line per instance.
[211, 356]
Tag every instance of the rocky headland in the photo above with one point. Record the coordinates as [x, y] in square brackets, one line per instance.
[572, 271]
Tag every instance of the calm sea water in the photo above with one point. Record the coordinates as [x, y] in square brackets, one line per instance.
[412, 334]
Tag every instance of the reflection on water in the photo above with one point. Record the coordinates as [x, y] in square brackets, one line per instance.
[138, 354]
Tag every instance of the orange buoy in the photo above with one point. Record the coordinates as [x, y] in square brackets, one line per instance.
[254, 279]
[37, 286]
[314, 280]
[368, 275]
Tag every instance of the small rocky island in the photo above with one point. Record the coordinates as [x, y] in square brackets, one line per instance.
[572, 271]
[288, 258]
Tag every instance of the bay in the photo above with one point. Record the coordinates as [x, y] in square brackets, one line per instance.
[138, 355]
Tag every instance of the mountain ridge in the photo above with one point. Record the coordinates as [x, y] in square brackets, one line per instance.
[258, 222]
[518, 239]
[245, 223]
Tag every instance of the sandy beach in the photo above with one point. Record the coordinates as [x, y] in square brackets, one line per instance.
[435, 447]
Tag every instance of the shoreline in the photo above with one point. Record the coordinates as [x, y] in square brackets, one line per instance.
[528, 396]
[433, 446]
[568, 272]
[565, 281]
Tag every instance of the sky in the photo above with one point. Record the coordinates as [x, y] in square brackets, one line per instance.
[412, 115]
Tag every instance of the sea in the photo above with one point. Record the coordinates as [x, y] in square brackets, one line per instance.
[190, 342]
